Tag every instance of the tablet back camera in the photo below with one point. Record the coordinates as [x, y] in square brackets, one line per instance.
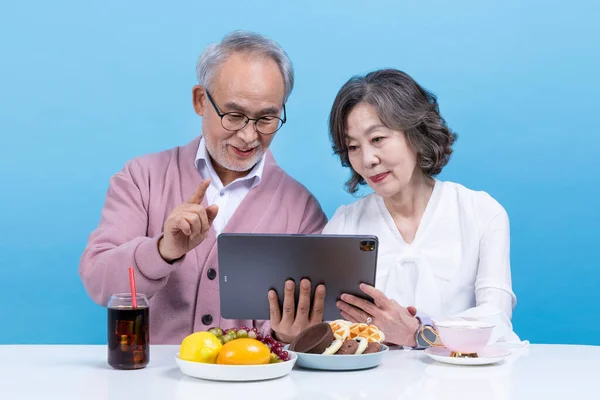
[367, 245]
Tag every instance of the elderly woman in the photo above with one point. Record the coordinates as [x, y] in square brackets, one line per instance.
[443, 248]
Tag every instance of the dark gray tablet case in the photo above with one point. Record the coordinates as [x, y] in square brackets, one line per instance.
[252, 264]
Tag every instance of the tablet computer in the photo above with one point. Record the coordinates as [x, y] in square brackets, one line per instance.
[252, 264]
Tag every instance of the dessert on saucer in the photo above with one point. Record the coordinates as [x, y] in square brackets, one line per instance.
[339, 345]
[339, 337]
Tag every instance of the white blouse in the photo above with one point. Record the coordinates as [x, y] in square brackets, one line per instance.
[458, 265]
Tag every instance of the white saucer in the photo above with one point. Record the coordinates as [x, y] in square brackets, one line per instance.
[489, 355]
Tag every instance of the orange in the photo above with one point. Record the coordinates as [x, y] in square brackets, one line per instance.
[244, 351]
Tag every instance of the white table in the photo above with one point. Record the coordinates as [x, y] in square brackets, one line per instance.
[81, 372]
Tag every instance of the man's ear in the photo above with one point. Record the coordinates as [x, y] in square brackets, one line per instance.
[198, 99]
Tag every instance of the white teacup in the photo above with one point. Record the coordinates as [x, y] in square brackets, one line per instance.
[462, 337]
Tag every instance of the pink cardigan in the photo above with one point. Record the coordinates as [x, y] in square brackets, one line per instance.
[138, 201]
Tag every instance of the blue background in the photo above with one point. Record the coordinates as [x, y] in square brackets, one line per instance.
[87, 85]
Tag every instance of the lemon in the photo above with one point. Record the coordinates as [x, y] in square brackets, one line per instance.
[203, 347]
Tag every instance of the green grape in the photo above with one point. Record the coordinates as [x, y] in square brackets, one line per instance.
[228, 337]
[274, 359]
[218, 332]
[242, 333]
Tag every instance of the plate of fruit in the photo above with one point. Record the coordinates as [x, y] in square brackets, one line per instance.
[339, 345]
[233, 355]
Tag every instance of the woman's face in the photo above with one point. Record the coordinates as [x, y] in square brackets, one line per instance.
[383, 157]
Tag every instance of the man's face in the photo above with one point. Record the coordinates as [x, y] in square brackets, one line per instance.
[243, 84]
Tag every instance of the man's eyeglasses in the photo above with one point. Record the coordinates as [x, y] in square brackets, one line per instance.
[235, 121]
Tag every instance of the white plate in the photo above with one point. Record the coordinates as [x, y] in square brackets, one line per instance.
[236, 373]
[489, 355]
[338, 362]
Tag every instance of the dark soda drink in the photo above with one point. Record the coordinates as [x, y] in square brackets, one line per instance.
[128, 333]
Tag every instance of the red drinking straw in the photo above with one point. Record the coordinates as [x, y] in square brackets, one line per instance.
[132, 286]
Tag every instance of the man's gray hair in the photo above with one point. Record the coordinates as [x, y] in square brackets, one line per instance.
[243, 42]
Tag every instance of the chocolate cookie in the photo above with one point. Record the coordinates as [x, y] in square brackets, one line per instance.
[348, 347]
[313, 340]
[373, 347]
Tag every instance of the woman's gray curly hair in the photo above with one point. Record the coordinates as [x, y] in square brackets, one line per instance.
[401, 105]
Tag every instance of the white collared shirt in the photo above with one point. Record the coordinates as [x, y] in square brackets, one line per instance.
[458, 265]
[227, 198]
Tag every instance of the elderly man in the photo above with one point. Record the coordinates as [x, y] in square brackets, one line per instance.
[164, 211]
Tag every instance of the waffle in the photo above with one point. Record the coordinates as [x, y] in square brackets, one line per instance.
[369, 332]
[341, 329]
